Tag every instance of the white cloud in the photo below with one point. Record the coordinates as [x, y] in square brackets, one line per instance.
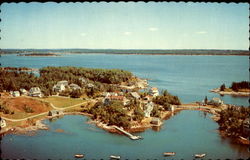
[127, 33]
[201, 32]
[153, 29]
[83, 34]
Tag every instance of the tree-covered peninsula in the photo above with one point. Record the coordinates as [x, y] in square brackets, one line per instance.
[112, 96]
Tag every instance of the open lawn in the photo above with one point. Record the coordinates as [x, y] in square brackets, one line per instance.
[62, 102]
[22, 107]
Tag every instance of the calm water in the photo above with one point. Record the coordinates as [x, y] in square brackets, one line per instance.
[189, 132]
[186, 133]
[189, 77]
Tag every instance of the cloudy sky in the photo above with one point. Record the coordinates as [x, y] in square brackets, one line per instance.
[125, 25]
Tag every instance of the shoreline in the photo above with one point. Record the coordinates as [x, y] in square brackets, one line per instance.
[157, 54]
[232, 93]
[39, 125]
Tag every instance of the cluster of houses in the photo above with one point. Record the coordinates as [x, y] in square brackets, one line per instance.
[33, 92]
[146, 101]
[59, 87]
[63, 85]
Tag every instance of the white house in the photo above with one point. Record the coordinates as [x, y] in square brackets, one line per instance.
[216, 101]
[16, 94]
[2, 122]
[74, 86]
[154, 91]
[148, 109]
[23, 91]
[135, 95]
[156, 121]
[65, 83]
[83, 80]
[35, 92]
[60, 86]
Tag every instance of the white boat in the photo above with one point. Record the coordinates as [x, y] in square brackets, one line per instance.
[115, 157]
[79, 155]
[169, 153]
[200, 155]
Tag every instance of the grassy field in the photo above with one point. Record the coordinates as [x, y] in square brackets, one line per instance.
[62, 102]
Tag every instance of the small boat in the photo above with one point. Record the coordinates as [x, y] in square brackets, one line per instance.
[115, 157]
[169, 153]
[79, 155]
[200, 155]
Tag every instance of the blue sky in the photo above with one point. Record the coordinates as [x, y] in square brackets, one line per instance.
[125, 25]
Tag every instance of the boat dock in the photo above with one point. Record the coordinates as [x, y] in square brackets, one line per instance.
[128, 134]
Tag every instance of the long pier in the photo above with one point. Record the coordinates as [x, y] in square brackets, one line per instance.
[127, 133]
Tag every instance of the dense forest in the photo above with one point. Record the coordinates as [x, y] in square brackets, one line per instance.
[231, 120]
[129, 51]
[102, 79]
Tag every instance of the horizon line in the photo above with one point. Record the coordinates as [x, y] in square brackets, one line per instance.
[115, 49]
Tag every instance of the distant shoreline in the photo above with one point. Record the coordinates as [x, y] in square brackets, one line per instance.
[151, 54]
[126, 52]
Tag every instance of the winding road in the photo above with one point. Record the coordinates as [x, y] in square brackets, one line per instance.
[44, 113]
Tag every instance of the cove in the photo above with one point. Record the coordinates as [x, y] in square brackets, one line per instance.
[186, 133]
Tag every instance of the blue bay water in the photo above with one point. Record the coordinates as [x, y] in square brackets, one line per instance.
[182, 134]
[187, 133]
[189, 77]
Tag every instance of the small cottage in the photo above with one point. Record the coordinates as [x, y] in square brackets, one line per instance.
[216, 101]
[156, 121]
[74, 86]
[52, 113]
[83, 80]
[23, 91]
[135, 95]
[55, 113]
[58, 88]
[2, 123]
[35, 92]
[65, 83]
[16, 94]
[154, 92]
[148, 109]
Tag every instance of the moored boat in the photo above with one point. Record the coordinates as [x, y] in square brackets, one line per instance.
[79, 155]
[169, 153]
[200, 155]
[115, 157]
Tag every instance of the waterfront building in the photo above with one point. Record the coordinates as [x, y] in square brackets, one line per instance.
[216, 101]
[156, 121]
[2, 123]
[154, 91]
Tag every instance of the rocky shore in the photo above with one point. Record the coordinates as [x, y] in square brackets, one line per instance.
[232, 93]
